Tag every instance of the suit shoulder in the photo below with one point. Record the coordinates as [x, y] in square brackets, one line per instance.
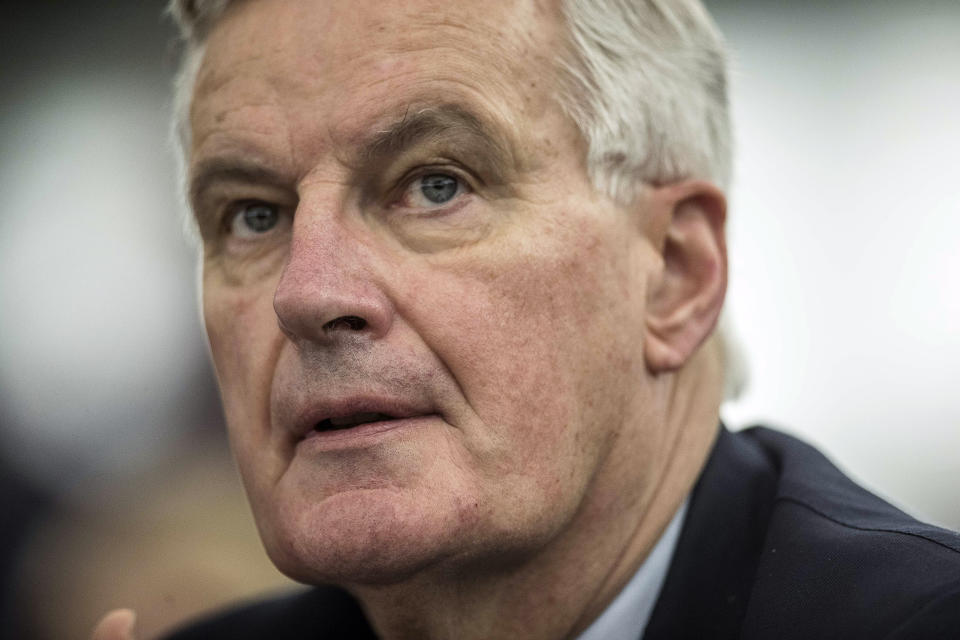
[326, 613]
[840, 561]
[939, 618]
[808, 479]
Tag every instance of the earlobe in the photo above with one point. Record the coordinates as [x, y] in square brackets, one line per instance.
[686, 296]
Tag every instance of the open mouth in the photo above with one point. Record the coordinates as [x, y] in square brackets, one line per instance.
[347, 422]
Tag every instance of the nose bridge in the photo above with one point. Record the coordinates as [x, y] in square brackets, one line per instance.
[328, 289]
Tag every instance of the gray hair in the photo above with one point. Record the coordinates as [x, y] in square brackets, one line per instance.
[643, 80]
[646, 85]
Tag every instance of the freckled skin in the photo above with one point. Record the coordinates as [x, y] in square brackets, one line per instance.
[519, 319]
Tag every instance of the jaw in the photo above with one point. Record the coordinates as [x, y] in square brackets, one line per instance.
[561, 582]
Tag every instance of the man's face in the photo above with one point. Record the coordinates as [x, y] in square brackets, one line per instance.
[399, 232]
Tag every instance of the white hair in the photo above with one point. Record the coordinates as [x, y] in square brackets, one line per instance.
[643, 80]
[646, 85]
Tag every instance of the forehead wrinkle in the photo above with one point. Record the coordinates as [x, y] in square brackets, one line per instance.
[447, 33]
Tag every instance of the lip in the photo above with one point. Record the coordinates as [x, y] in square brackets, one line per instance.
[361, 435]
[402, 413]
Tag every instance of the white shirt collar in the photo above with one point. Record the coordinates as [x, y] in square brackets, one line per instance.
[627, 616]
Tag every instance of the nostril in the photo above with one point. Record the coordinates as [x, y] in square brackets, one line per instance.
[353, 323]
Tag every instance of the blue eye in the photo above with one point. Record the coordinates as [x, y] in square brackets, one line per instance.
[439, 188]
[433, 193]
[254, 218]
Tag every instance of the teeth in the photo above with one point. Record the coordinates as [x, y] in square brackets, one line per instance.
[355, 419]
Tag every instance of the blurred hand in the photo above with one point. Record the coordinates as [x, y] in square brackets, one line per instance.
[116, 625]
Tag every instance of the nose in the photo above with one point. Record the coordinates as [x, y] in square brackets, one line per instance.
[328, 291]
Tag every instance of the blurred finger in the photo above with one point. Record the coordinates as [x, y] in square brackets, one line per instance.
[116, 625]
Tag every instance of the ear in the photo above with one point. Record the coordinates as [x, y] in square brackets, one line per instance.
[686, 295]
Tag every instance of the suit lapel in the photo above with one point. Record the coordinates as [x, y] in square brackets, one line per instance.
[708, 585]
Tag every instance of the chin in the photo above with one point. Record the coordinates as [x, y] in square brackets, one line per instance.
[368, 537]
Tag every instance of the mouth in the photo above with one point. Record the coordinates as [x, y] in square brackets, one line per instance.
[359, 428]
[353, 419]
[350, 421]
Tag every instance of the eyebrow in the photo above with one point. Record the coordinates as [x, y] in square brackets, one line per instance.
[229, 169]
[447, 121]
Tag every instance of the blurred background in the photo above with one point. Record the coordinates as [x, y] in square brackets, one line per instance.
[114, 475]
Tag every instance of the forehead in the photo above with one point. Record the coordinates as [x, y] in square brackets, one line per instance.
[330, 69]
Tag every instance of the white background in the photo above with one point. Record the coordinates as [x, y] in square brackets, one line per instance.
[845, 236]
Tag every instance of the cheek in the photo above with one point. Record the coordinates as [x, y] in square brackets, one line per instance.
[244, 339]
[539, 339]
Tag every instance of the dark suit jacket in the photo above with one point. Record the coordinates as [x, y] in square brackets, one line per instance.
[777, 544]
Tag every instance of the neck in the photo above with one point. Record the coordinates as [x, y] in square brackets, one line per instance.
[560, 590]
